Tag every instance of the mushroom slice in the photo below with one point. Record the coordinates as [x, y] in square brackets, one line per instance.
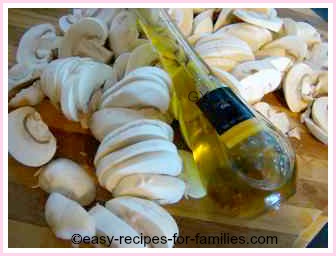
[247, 68]
[294, 46]
[110, 225]
[159, 162]
[203, 22]
[183, 18]
[227, 79]
[118, 71]
[106, 120]
[30, 141]
[146, 217]
[123, 34]
[255, 86]
[69, 179]
[322, 83]
[36, 45]
[303, 30]
[292, 86]
[320, 112]
[65, 22]
[30, 96]
[67, 217]
[318, 57]
[271, 22]
[86, 39]
[163, 189]
[20, 75]
[244, 31]
[318, 132]
[191, 176]
[143, 55]
[131, 133]
[225, 17]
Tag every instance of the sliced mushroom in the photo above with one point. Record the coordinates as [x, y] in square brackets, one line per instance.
[146, 217]
[123, 34]
[131, 133]
[247, 68]
[143, 55]
[191, 176]
[298, 81]
[255, 86]
[69, 179]
[67, 217]
[30, 96]
[110, 225]
[270, 22]
[203, 22]
[244, 31]
[301, 29]
[36, 46]
[321, 115]
[30, 141]
[292, 46]
[106, 120]
[20, 75]
[162, 189]
[225, 17]
[321, 84]
[86, 39]
[320, 112]
[183, 18]
[318, 57]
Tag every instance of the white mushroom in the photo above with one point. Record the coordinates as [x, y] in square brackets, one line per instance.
[203, 22]
[287, 46]
[67, 218]
[225, 17]
[183, 18]
[146, 217]
[123, 34]
[298, 87]
[191, 176]
[244, 31]
[86, 39]
[110, 225]
[20, 75]
[321, 83]
[162, 189]
[36, 46]
[318, 57]
[106, 120]
[317, 125]
[30, 141]
[119, 69]
[69, 179]
[270, 22]
[29, 96]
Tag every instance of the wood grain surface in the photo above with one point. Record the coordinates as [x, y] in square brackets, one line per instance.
[295, 224]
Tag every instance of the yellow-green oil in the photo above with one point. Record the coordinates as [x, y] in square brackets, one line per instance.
[233, 194]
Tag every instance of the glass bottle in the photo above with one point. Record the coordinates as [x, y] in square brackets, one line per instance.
[245, 163]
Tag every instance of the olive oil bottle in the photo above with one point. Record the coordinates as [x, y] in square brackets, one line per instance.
[246, 165]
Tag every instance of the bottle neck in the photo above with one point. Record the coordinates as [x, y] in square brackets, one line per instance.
[173, 48]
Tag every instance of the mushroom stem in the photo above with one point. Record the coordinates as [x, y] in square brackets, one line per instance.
[36, 128]
[90, 48]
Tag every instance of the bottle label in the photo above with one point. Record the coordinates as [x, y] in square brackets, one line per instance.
[224, 109]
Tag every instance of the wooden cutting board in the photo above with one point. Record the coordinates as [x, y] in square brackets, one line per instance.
[295, 224]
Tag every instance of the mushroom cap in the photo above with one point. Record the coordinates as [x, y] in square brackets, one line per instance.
[19, 75]
[320, 112]
[29, 52]
[162, 189]
[244, 31]
[86, 29]
[67, 217]
[224, 18]
[118, 70]
[29, 140]
[111, 225]
[66, 177]
[271, 22]
[183, 18]
[292, 86]
[151, 219]
[203, 22]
